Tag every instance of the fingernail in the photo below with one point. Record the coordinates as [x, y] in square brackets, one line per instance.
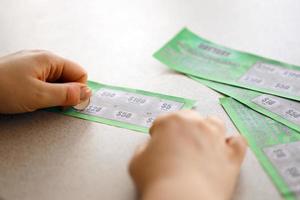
[85, 93]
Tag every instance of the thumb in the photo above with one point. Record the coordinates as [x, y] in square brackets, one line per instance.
[134, 162]
[63, 94]
[140, 149]
[238, 146]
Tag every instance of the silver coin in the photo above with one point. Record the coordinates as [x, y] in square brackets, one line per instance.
[82, 105]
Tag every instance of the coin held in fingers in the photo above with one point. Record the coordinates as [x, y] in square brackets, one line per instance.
[82, 105]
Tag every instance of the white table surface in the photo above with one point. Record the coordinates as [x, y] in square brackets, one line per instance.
[50, 156]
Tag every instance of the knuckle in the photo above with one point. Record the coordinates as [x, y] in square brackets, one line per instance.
[38, 50]
[217, 123]
[167, 122]
[23, 51]
[168, 118]
[179, 118]
[214, 130]
[201, 126]
[215, 120]
[220, 123]
[32, 52]
[206, 127]
[175, 117]
[43, 56]
[178, 122]
[84, 76]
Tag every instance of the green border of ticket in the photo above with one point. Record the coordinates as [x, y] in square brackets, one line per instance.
[264, 161]
[187, 104]
[227, 90]
[246, 60]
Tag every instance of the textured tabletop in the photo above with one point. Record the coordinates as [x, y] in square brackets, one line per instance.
[47, 156]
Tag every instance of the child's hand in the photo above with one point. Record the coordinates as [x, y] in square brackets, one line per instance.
[30, 80]
[188, 157]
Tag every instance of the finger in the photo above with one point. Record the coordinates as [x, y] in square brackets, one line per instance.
[217, 123]
[138, 154]
[64, 70]
[63, 94]
[238, 147]
[140, 149]
[174, 120]
[73, 72]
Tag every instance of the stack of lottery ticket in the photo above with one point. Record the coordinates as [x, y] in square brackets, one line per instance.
[262, 92]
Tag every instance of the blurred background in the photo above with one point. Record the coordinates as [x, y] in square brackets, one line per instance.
[105, 34]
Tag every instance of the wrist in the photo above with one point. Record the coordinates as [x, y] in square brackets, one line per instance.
[179, 188]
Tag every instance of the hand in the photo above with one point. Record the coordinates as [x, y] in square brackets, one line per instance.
[188, 157]
[30, 80]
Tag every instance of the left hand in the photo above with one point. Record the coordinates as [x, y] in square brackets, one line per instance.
[31, 80]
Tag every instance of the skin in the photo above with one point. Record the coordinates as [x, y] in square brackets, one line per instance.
[32, 80]
[187, 156]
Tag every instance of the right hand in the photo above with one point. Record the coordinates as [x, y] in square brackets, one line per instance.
[188, 157]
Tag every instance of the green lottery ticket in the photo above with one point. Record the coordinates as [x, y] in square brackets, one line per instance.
[276, 146]
[127, 108]
[280, 109]
[191, 54]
